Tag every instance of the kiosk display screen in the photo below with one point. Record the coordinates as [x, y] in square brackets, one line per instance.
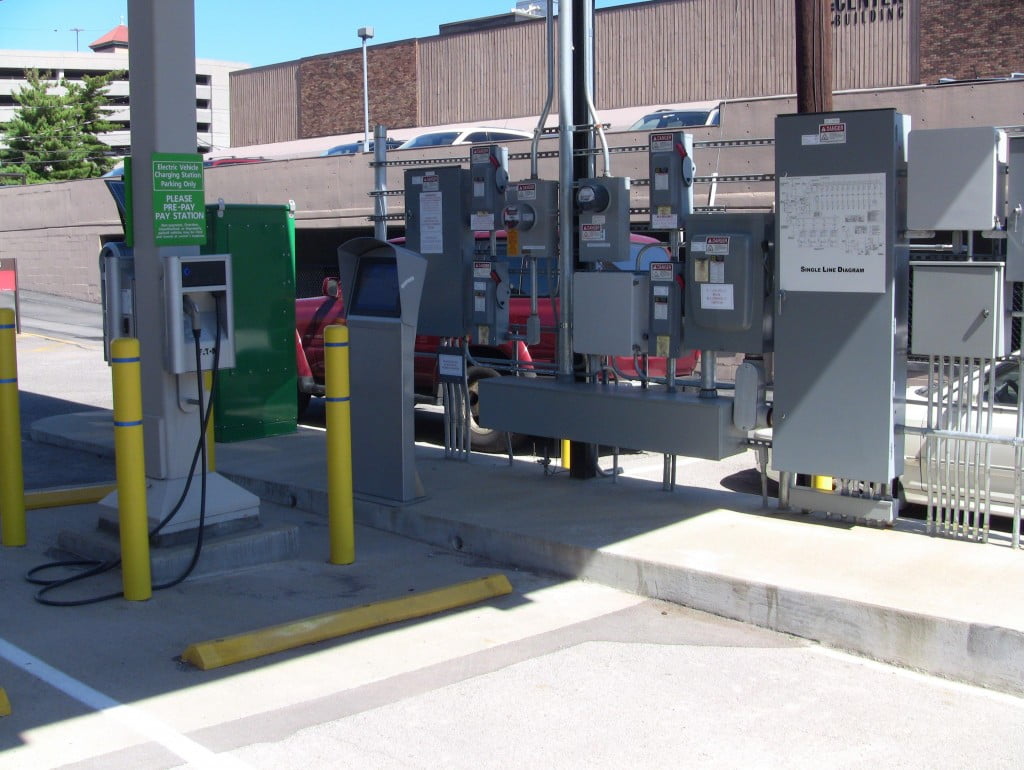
[375, 292]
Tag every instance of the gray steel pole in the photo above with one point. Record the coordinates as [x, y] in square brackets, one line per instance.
[565, 193]
[380, 182]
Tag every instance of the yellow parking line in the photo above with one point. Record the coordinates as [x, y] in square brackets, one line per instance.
[5, 704]
[61, 496]
[330, 625]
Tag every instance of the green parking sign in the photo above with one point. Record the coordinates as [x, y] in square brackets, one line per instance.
[179, 203]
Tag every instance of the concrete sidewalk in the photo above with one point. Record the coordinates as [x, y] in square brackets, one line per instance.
[952, 609]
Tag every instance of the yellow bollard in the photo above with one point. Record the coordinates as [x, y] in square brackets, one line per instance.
[822, 483]
[340, 502]
[5, 704]
[12, 477]
[565, 453]
[211, 449]
[130, 462]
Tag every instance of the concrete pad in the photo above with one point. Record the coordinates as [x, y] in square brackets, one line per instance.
[946, 607]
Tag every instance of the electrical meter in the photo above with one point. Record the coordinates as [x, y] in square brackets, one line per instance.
[530, 218]
[603, 207]
[488, 168]
[671, 179]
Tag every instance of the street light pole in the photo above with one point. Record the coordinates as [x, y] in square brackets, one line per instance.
[365, 33]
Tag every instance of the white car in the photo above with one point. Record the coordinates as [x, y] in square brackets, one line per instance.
[950, 467]
[470, 135]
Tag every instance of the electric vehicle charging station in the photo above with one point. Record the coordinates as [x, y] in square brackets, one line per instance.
[117, 293]
[199, 299]
[382, 285]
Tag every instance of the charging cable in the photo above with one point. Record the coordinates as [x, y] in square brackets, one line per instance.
[96, 567]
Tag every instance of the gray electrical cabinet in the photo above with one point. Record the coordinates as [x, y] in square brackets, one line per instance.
[488, 170]
[671, 179]
[841, 298]
[972, 326]
[437, 226]
[665, 309]
[1015, 211]
[729, 277]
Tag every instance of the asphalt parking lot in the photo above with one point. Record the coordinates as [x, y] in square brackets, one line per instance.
[564, 671]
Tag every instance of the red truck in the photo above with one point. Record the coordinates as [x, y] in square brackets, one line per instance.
[314, 314]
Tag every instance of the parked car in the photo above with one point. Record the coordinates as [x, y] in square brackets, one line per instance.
[470, 135]
[314, 314]
[668, 118]
[913, 484]
[230, 161]
[1005, 408]
[354, 148]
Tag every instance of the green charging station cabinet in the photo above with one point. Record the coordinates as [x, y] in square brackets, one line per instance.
[257, 398]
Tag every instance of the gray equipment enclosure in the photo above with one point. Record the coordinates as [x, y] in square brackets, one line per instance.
[840, 326]
[382, 286]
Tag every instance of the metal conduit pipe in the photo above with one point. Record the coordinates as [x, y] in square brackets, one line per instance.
[565, 191]
[588, 84]
[549, 25]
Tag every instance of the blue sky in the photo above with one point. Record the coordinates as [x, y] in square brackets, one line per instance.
[256, 32]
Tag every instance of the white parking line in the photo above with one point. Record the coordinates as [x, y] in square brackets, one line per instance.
[195, 754]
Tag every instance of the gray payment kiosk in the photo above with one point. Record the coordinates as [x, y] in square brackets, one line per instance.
[381, 285]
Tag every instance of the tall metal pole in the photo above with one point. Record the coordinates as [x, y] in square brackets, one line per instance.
[365, 33]
[565, 189]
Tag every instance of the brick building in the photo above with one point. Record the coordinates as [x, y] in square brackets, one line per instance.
[651, 53]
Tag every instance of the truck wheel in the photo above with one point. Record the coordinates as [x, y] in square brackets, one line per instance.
[303, 402]
[482, 439]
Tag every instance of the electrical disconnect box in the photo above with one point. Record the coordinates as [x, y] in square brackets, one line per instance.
[728, 280]
[491, 293]
[957, 178]
[609, 313]
[665, 308]
[488, 169]
[117, 293]
[841, 298]
[671, 179]
[437, 226]
[603, 207]
[198, 298]
[530, 217]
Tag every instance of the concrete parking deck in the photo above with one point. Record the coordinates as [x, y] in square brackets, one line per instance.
[949, 608]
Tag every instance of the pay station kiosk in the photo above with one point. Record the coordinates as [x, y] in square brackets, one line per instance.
[382, 285]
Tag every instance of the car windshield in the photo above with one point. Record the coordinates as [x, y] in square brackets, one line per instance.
[674, 119]
[436, 139]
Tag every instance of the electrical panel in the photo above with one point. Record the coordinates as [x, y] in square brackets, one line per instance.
[728, 280]
[609, 313]
[603, 208]
[841, 297]
[665, 308]
[437, 219]
[198, 297]
[488, 169]
[491, 293]
[671, 179]
[530, 217]
[956, 178]
[972, 326]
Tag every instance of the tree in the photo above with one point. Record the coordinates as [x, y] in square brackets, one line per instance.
[53, 135]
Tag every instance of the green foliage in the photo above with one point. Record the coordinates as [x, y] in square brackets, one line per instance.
[54, 133]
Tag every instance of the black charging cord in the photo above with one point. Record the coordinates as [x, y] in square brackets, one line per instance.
[94, 567]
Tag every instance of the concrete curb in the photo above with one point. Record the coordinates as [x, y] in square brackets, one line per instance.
[977, 653]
